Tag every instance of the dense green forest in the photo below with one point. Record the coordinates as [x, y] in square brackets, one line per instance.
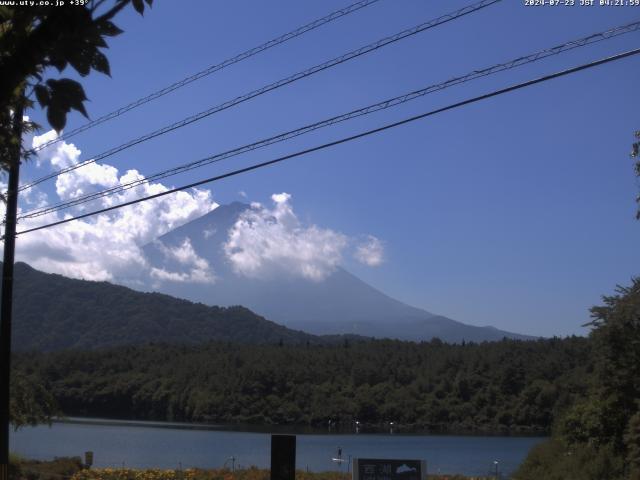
[599, 436]
[53, 312]
[507, 386]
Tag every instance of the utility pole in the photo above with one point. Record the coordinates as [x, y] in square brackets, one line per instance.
[7, 287]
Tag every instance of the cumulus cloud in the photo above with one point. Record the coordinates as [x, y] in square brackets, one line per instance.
[193, 268]
[268, 240]
[107, 246]
[59, 155]
[90, 178]
[32, 197]
[265, 240]
[370, 252]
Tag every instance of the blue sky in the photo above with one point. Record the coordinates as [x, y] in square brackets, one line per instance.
[517, 212]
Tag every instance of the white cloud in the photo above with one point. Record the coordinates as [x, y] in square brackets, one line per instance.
[281, 198]
[88, 179]
[264, 241]
[194, 268]
[33, 197]
[60, 155]
[107, 246]
[85, 180]
[167, 276]
[370, 252]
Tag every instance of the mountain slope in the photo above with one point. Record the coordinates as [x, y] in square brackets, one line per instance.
[52, 312]
[341, 303]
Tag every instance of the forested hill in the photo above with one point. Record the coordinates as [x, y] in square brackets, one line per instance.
[507, 386]
[52, 312]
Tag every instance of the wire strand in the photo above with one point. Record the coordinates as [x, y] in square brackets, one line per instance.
[523, 60]
[273, 86]
[345, 139]
[213, 69]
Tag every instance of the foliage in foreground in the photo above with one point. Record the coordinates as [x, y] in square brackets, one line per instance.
[31, 403]
[71, 468]
[599, 437]
[36, 38]
[635, 153]
[220, 474]
[60, 468]
[556, 460]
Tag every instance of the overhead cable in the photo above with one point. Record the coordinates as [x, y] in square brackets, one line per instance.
[343, 140]
[213, 69]
[273, 86]
[388, 103]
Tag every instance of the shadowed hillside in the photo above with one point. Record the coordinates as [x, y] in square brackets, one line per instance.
[52, 312]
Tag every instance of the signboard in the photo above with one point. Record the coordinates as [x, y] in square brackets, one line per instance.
[388, 469]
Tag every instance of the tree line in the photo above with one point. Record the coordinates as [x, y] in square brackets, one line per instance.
[506, 386]
[599, 436]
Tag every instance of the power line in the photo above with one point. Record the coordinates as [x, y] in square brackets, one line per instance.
[213, 69]
[275, 85]
[345, 139]
[280, 83]
[523, 60]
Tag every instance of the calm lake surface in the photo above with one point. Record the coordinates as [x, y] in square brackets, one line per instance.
[146, 445]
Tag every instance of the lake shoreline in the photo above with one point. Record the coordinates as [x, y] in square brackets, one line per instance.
[143, 447]
[302, 429]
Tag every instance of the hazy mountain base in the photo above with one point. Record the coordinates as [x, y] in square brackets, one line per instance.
[53, 312]
[341, 303]
[500, 387]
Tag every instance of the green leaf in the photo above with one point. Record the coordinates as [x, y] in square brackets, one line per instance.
[42, 94]
[57, 118]
[139, 6]
[109, 29]
[98, 41]
[81, 64]
[66, 87]
[100, 63]
[58, 62]
[66, 94]
[80, 108]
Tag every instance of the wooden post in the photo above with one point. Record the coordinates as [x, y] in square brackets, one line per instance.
[7, 291]
[283, 457]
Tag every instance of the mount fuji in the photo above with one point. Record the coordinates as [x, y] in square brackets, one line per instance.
[338, 303]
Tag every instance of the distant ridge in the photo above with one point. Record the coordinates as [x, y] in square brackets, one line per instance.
[52, 312]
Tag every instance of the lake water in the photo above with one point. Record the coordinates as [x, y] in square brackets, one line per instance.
[145, 445]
